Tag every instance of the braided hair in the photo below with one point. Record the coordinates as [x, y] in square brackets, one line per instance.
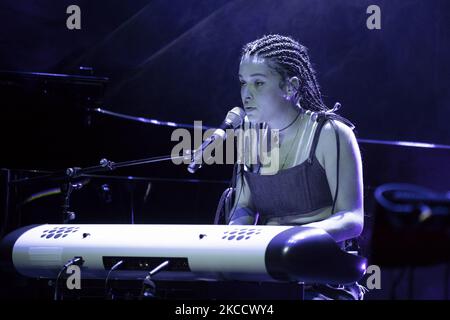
[290, 59]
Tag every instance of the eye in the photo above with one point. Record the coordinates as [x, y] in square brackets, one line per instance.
[259, 83]
[242, 83]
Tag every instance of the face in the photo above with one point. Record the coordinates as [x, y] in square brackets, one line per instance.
[261, 95]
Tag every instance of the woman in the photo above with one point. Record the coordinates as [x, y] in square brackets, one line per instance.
[318, 180]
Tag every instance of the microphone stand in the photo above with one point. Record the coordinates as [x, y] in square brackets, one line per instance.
[68, 175]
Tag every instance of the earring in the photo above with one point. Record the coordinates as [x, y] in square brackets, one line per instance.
[289, 95]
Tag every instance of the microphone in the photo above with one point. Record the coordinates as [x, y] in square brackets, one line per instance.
[233, 120]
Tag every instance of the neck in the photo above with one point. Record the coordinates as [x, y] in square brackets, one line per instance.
[285, 120]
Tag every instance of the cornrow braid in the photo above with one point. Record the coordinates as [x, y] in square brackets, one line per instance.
[289, 58]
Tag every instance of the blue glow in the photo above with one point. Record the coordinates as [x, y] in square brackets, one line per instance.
[407, 144]
[416, 144]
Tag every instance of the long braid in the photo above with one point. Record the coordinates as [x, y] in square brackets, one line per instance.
[290, 59]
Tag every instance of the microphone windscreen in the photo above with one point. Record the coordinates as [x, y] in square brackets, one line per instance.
[235, 117]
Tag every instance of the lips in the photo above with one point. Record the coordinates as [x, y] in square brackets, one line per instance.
[247, 109]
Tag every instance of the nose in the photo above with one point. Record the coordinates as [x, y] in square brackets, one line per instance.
[246, 95]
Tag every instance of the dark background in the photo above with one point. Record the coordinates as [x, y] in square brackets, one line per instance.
[178, 61]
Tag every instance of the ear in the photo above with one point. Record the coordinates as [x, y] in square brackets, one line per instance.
[292, 86]
[294, 83]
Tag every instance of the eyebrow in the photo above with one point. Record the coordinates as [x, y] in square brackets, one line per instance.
[255, 75]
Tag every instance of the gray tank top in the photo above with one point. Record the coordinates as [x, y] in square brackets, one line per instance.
[298, 190]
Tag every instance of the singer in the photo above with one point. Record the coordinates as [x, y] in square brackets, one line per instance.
[318, 181]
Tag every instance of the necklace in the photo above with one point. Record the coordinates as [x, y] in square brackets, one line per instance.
[292, 144]
[301, 112]
[290, 124]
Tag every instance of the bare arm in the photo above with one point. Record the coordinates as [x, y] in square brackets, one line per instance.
[348, 220]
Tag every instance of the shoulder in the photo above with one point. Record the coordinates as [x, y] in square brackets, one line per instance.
[327, 138]
[328, 132]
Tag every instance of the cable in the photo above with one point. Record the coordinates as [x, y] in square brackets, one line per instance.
[220, 206]
[77, 261]
[114, 267]
[238, 172]
[151, 287]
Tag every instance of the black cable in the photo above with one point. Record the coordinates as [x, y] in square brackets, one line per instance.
[75, 260]
[148, 280]
[224, 198]
[240, 192]
[55, 297]
[114, 267]
[220, 206]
